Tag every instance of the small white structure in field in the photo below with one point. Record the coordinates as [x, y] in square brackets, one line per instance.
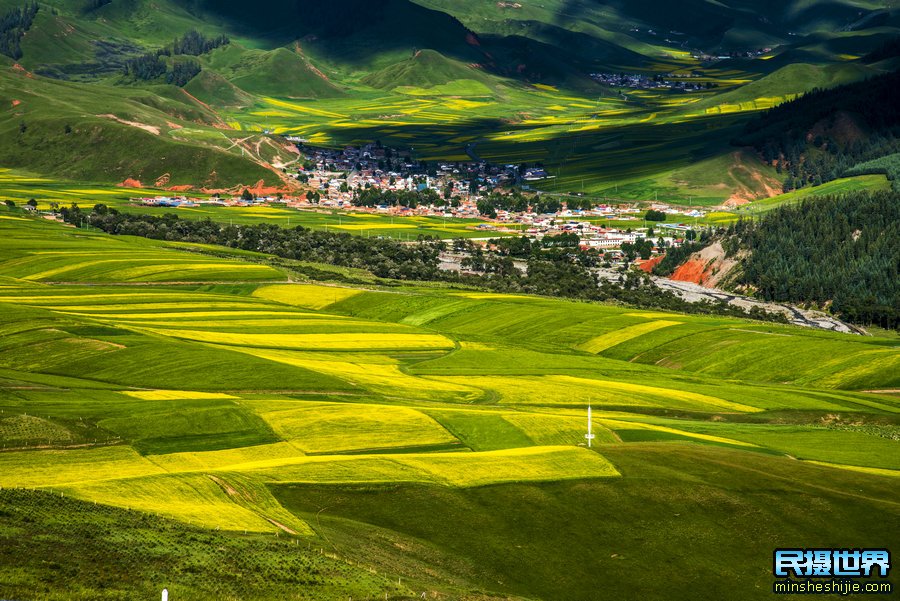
[590, 432]
[165, 594]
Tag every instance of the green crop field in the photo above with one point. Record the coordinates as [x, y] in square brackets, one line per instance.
[317, 436]
[232, 425]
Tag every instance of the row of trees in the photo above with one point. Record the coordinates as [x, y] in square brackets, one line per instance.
[194, 43]
[152, 66]
[384, 258]
[373, 197]
[13, 25]
[182, 72]
[516, 202]
[840, 251]
[560, 270]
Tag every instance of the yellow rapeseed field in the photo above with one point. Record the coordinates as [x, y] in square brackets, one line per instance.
[175, 395]
[192, 498]
[309, 296]
[338, 341]
[342, 427]
[611, 339]
[633, 425]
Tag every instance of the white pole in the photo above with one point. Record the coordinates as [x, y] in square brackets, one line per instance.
[590, 431]
[165, 594]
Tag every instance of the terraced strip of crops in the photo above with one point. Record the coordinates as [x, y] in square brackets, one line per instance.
[195, 401]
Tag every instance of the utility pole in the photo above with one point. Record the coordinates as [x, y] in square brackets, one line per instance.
[590, 429]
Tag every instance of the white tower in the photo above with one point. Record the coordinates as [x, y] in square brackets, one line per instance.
[590, 432]
[165, 594]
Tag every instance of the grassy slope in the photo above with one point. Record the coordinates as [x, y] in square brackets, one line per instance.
[95, 147]
[838, 186]
[426, 69]
[130, 396]
[596, 144]
[593, 537]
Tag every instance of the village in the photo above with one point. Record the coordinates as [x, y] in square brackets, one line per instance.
[639, 81]
[379, 180]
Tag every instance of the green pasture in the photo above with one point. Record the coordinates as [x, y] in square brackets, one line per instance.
[233, 405]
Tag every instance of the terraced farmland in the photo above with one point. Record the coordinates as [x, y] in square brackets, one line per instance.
[233, 405]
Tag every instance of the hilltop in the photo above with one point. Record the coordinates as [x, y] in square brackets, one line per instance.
[209, 80]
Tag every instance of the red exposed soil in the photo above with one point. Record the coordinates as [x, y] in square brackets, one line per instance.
[648, 264]
[181, 188]
[763, 186]
[131, 183]
[690, 271]
[260, 189]
[707, 267]
[20, 69]
[16, 102]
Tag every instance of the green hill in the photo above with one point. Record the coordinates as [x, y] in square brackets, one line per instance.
[348, 66]
[194, 411]
[426, 68]
[280, 72]
[97, 133]
[215, 90]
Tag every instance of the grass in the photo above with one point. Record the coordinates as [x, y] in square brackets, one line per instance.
[673, 495]
[145, 552]
[355, 427]
[601, 343]
[67, 255]
[482, 431]
[839, 186]
[406, 433]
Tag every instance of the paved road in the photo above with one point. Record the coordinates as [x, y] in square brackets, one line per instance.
[470, 150]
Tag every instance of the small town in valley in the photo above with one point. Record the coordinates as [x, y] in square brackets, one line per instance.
[376, 179]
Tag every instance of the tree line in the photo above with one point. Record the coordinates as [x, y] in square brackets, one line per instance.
[837, 252]
[558, 270]
[152, 66]
[888, 165]
[516, 202]
[373, 197]
[803, 140]
[13, 25]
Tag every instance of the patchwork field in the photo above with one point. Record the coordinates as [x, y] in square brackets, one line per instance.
[212, 396]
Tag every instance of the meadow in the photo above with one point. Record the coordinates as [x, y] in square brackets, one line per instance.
[154, 394]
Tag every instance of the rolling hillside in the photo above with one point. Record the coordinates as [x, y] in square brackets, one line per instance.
[281, 437]
[395, 70]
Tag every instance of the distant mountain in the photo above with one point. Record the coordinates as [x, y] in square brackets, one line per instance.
[80, 61]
